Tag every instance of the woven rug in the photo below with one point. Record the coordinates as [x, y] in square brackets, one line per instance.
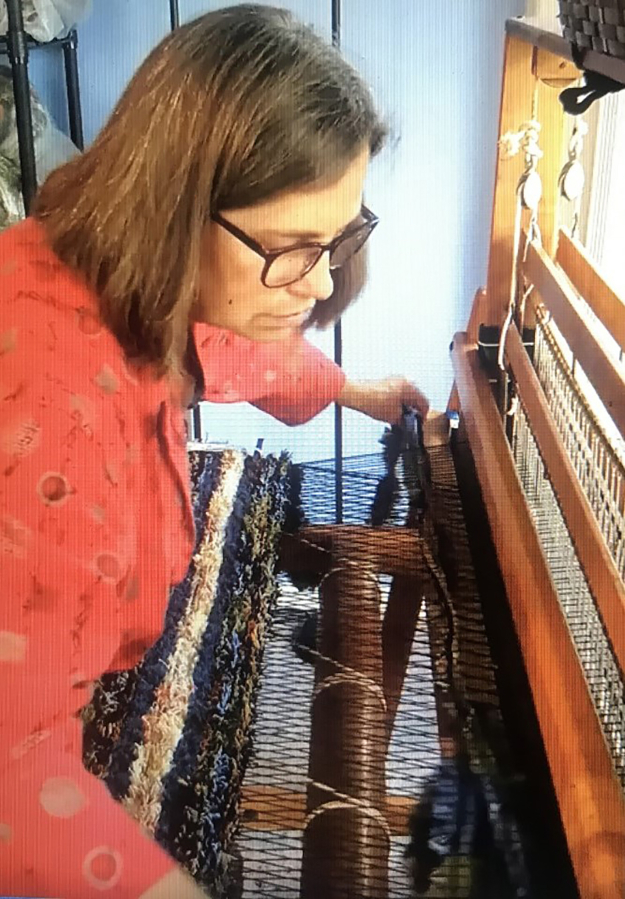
[172, 737]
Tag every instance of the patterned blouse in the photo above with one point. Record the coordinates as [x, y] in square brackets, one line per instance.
[96, 522]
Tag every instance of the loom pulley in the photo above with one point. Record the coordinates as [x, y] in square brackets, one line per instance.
[572, 177]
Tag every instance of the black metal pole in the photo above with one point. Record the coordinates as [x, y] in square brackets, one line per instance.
[338, 338]
[197, 422]
[174, 13]
[196, 417]
[70, 48]
[336, 22]
[18, 54]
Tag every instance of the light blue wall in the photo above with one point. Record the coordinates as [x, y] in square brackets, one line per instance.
[435, 70]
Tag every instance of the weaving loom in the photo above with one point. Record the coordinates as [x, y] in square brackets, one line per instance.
[540, 450]
[545, 465]
[457, 728]
[174, 750]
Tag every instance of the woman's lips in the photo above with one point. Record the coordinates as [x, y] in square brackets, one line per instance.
[297, 318]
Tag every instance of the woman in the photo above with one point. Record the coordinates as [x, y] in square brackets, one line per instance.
[216, 217]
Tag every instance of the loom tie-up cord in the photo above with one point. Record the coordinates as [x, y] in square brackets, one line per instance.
[576, 100]
[528, 195]
[346, 674]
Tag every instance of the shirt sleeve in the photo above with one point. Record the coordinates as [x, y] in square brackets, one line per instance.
[301, 383]
[290, 380]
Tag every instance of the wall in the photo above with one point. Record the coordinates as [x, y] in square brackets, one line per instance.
[435, 71]
[607, 192]
[543, 14]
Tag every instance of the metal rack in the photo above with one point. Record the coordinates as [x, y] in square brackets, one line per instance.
[17, 44]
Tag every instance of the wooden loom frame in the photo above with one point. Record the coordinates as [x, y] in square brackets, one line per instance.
[537, 66]
[591, 801]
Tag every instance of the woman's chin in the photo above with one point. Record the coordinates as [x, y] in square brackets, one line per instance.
[269, 332]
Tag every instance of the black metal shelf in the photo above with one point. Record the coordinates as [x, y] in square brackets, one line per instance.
[17, 44]
[33, 44]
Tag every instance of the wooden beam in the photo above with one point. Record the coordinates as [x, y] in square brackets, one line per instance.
[477, 316]
[276, 808]
[398, 630]
[515, 109]
[389, 550]
[404, 600]
[435, 429]
[589, 796]
[347, 742]
[583, 274]
[299, 556]
[538, 37]
[593, 61]
[560, 299]
[601, 573]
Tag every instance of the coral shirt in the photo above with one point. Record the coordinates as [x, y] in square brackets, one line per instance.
[95, 515]
[96, 526]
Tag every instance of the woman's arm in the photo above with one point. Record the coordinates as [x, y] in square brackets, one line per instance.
[383, 400]
[307, 381]
[293, 381]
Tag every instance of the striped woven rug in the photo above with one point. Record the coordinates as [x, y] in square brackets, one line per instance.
[172, 737]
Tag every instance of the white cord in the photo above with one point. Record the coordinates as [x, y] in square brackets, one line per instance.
[511, 143]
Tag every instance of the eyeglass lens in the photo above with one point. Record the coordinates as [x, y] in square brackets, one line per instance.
[290, 267]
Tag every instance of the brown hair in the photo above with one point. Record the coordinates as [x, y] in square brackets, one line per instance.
[226, 111]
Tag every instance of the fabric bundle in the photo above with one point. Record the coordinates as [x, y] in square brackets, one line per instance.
[52, 148]
[45, 20]
[172, 738]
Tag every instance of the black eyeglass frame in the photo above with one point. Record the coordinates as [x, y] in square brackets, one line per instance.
[370, 223]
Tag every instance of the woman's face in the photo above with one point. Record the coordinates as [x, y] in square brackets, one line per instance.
[232, 295]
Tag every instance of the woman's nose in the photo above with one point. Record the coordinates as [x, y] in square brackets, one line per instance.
[318, 282]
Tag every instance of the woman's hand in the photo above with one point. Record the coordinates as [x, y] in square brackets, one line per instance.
[383, 400]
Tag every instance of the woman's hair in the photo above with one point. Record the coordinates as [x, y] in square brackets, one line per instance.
[225, 112]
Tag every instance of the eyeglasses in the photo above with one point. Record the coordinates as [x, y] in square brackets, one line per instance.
[286, 266]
